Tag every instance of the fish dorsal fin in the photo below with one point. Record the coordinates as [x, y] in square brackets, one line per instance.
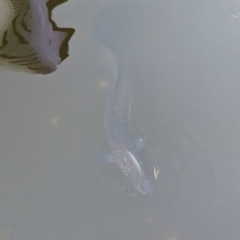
[136, 163]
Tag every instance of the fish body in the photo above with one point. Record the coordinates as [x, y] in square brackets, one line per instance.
[123, 151]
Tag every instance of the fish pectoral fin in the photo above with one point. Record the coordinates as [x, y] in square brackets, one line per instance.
[106, 158]
[140, 143]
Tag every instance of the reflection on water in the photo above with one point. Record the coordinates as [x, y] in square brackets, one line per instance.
[186, 99]
[30, 41]
[232, 7]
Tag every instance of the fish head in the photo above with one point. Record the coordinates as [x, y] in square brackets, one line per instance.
[138, 177]
[144, 186]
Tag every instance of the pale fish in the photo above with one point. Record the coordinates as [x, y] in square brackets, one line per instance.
[30, 41]
[123, 151]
